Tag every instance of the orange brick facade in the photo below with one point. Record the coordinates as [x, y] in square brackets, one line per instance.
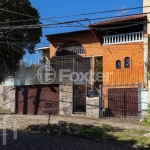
[87, 39]
[135, 73]
[110, 53]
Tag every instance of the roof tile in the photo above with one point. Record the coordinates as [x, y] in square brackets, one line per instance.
[138, 16]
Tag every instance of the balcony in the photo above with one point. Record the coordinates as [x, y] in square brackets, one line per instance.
[123, 38]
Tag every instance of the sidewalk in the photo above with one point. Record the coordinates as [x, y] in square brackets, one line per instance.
[26, 120]
[32, 140]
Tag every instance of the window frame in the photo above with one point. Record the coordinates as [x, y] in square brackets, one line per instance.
[118, 61]
[125, 62]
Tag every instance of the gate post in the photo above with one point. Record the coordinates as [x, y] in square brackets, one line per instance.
[139, 102]
[100, 101]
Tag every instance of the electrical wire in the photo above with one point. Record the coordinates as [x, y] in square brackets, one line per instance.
[58, 37]
[13, 12]
[60, 23]
[30, 58]
[66, 16]
[80, 21]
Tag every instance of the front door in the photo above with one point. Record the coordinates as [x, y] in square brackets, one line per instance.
[79, 98]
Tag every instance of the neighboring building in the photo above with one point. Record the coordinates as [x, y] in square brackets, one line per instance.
[24, 93]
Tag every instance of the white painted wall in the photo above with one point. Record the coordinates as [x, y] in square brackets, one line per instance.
[144, 98]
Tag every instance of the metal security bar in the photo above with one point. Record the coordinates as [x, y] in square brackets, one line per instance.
[120, 101]
[27, 74]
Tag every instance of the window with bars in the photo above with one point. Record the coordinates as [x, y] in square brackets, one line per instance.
[118, 64]
[127, 62]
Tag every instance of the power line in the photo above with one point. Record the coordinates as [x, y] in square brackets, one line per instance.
[66, 16]
[6, 10]
[60, 23]
[49, 26]
[15, 49]
[58, 37]
[94, 28]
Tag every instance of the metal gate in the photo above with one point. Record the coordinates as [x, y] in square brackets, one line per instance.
[79, 98]
[32, 99]
[120, 101]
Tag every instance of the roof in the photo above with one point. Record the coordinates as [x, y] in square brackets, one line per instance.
[113, 21]
[65, 33]
[106, 22]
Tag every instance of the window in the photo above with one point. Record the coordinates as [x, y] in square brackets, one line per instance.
[70, 48]
[118, 64]
[127, 62]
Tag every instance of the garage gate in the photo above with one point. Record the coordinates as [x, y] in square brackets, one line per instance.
[32, 99]
[120, 101]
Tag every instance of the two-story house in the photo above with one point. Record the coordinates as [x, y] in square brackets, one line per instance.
[112, 52]
[96, 71]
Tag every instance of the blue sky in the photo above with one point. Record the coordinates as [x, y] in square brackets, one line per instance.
[54, 8]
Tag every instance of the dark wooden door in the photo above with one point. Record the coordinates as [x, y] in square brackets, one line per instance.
[123, 101]
[79, 98]
[32, 99]
[21, 100]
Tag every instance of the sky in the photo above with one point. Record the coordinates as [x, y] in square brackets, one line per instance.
[55, 10]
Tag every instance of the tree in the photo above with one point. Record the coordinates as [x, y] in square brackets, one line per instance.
[15, 42]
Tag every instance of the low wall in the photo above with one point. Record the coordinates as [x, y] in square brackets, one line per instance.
[92, 107]
[9, 98]
[65, 99]
[144, 101]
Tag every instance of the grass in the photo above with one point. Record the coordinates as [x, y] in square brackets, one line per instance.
[95, 122]
[142, 131]
[101, 132]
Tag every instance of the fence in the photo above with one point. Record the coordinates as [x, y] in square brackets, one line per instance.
[27, 74]
[120, 101]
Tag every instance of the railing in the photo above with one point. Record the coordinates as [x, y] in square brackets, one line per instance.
[123, 38]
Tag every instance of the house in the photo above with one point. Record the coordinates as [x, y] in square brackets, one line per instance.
[113, 53]
[98, 72]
